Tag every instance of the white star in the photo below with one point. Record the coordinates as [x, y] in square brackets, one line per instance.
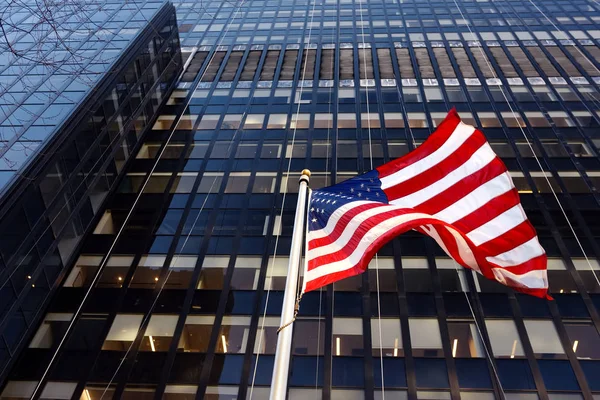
[312, 209]
[314, 220]
[351, 190]
[333, 202]
[328, 201]
[372, 181]
[362, 185]
[322, 210]
[377, 194]
[359, 194]
[368, 189]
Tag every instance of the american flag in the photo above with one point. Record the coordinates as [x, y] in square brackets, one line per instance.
[453, 188]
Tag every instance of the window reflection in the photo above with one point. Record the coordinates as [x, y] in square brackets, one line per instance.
[425, 338]
[504, 338]
[309, 337]
[465, 340]
[544, 339]
[584, 339]
[347, 337]
[388, 339]
[123, 331]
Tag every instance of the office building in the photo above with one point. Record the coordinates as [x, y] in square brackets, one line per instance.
[188, 292]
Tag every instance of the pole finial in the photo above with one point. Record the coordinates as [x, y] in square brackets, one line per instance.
[306, 172]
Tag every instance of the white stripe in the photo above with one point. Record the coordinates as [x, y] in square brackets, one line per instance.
[476, 199]
[350, 230]
[373, 234]
[519, 254]
[536, 279]
[454, 141]
[335, 217]
[497, 226]
[481, 158]
[464, 251]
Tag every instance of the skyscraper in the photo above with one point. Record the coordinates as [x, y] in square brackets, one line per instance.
[188, 254]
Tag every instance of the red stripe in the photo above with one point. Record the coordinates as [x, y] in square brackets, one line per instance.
[462, 188]
[342, 223]
[433, 142]
[439, 171]
[360, 231]
[488, 211]
[535, 264]
[510, 239]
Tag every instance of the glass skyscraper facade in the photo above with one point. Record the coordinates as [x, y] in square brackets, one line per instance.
[183, 272]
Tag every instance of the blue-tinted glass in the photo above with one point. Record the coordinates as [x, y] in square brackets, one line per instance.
[394, 373]
[515, 374]
[495, 305]
[473, 373]
[533, 306]
[591, 369]
[226, 370]
[264, 370]
[347, 304]
[420, 304]
[348, 372]
[431, 373]
[558, 375]
[303, 371]
[571, 305]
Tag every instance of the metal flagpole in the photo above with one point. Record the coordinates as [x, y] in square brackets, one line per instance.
[289, 309]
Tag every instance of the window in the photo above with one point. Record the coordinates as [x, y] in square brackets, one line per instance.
[346, 120]
[264, 182]
[393, 120]
[544, 339]
[584, 339]
[164, 122]
[231, 121]
[489, 120]
[561, 119]
[412, 95]
[122, 332]
[417, 120]
[237, 182]
[504, 338]
[208, 122]
[148, 271]
[387, 341]
[210, 182]
[159, 333]
[300, 121]
[277, 121]
[196, 333]
[347, 337]
[254, 121]
[323, 121]
[51, 331]
[433, 94]
[233, 334]
[309, 337]
[465, 340]
[537, 119]
[512, 120]
[425, 337]
[114, 273]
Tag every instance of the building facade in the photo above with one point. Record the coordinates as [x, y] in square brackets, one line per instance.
[80, 112]
[183, 272]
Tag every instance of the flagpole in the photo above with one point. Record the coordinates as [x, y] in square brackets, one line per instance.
[284, 338]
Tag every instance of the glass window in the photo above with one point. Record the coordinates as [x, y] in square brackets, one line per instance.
[300, 121]
[164, 122]
[537, 119]
[231, 121]
[433, 94]
[309, 337]
[196, 333]
[208, 122]
[489, 120]
[277, 121]
[181, 392]
[270, 150]
[504, 338]
[159, 333]
[122, 332]
[346, 120]
[266, 335]
[180, 271]
[425, 337]
[186, 122]
[584, 339]
[512, 120]
[264, 182]
[210, 182]
[561, 119]
[370, 120]
[254, 121]
[465, 339]
[393, 120]
[417, 120]
[412, 95]
[347, 337]
[388, 340]
[323, 121]
[114, 273]
[544, 339]
[237, 182]
[147, 272]
[233, 334]
[51, 330]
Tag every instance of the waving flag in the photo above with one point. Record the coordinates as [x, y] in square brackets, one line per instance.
[453, 188]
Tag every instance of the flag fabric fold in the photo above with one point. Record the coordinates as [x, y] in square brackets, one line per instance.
[453, 188]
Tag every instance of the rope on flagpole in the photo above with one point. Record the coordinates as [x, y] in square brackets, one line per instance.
[296, 309]
[468, 24]
[364, 49]
[289, 166]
